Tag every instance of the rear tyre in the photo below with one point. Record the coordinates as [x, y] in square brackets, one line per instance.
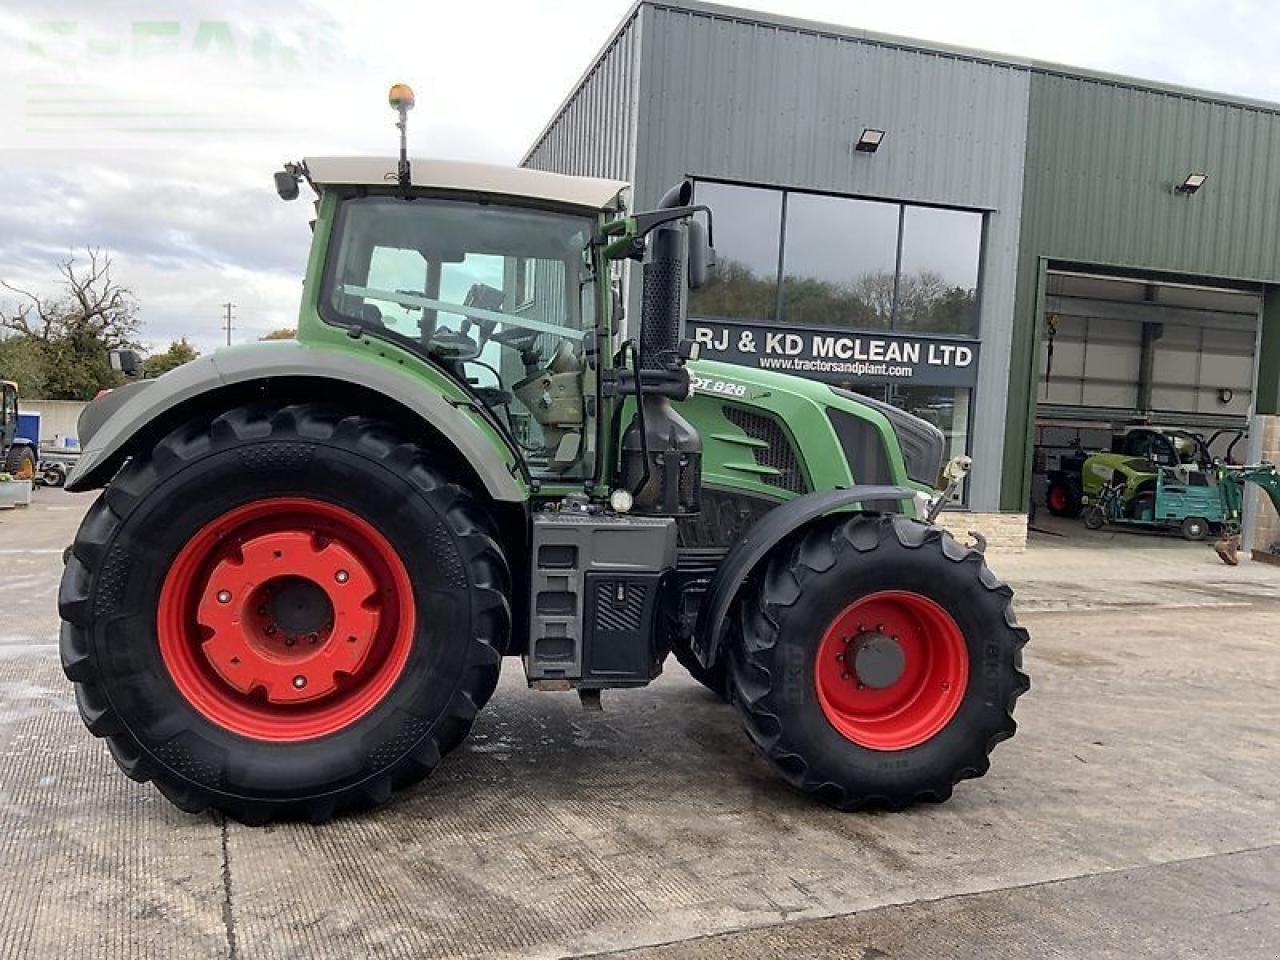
[1063, 497]
[1095, 518]
[879, 663]
[282, 613]
[1195, 528]
[20, 463]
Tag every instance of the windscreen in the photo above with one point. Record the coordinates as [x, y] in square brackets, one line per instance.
[499, 296]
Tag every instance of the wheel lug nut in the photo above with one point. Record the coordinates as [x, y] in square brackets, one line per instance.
[288, 641]
[224, 596]
[271, 629]
[313, 638]
[840, 657]
[342, 576]
[299, 682]
[844, 676]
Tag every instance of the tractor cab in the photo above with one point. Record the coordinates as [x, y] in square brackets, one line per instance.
[493, 278]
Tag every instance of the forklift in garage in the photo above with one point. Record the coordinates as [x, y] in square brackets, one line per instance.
[310, 558]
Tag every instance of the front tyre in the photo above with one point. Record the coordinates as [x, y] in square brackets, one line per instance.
[286, 612]
[879, 662]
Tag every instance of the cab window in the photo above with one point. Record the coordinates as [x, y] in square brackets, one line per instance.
[501, 297]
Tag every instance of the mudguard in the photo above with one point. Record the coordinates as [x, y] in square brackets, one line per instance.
[780, 522]
[109, 423]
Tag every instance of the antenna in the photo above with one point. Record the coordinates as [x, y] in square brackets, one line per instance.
[401, 99]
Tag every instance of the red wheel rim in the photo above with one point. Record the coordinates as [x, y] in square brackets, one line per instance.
[1057, 498]
[286, 619]
[891, 670]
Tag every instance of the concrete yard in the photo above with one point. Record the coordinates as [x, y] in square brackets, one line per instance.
[1134, 815]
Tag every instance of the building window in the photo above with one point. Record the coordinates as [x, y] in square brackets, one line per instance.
[748, 231]
[525, 281]
[938, 272]
[809, 259]
[839, 257]
[947, 408]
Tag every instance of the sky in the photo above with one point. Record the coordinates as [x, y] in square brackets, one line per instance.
[151, 130]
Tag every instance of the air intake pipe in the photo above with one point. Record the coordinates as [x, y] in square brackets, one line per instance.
[663, 304]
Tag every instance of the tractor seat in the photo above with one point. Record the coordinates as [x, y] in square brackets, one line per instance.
[453, 347]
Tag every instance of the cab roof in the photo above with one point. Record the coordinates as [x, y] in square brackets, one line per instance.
[521, 182]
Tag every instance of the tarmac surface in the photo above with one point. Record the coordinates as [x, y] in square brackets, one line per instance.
[1134, 815]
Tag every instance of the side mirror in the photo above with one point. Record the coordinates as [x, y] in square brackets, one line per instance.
[702, 256]
[286, 184]
[126, 362]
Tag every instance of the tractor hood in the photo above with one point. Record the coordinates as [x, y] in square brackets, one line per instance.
[922, 445]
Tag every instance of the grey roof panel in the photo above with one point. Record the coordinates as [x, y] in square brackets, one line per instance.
[725, 13]
[592, 192]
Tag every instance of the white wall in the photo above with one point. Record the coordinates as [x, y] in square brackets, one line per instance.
[57, 417]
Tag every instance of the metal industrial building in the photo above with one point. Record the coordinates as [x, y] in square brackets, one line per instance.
[1096, 249]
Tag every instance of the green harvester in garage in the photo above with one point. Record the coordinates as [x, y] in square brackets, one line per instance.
[310, 558]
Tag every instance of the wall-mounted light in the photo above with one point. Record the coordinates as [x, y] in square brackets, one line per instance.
[1193, 183]
[869, 142]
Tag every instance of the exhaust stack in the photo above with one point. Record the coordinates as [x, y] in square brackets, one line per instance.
[661, 450]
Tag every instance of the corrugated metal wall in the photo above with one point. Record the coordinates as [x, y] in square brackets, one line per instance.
[594, 132]
[725, 94]
[736, 98]
[1102, 160]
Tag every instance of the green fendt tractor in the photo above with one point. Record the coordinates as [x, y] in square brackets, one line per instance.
[310, 558]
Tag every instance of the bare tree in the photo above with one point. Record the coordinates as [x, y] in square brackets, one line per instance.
[89, 304]
[56, 345]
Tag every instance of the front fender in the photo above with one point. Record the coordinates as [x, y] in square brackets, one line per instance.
[747, 554]
[109, 424]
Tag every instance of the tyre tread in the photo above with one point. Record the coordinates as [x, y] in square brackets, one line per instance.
[781, 586]
[478, 547]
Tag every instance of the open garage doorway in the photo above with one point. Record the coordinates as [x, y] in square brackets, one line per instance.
[1143, 382]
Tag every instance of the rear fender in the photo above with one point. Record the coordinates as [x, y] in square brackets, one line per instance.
[767, 532]
[110, 424]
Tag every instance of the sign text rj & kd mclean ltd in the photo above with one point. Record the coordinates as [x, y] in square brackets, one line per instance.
[841, 355]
